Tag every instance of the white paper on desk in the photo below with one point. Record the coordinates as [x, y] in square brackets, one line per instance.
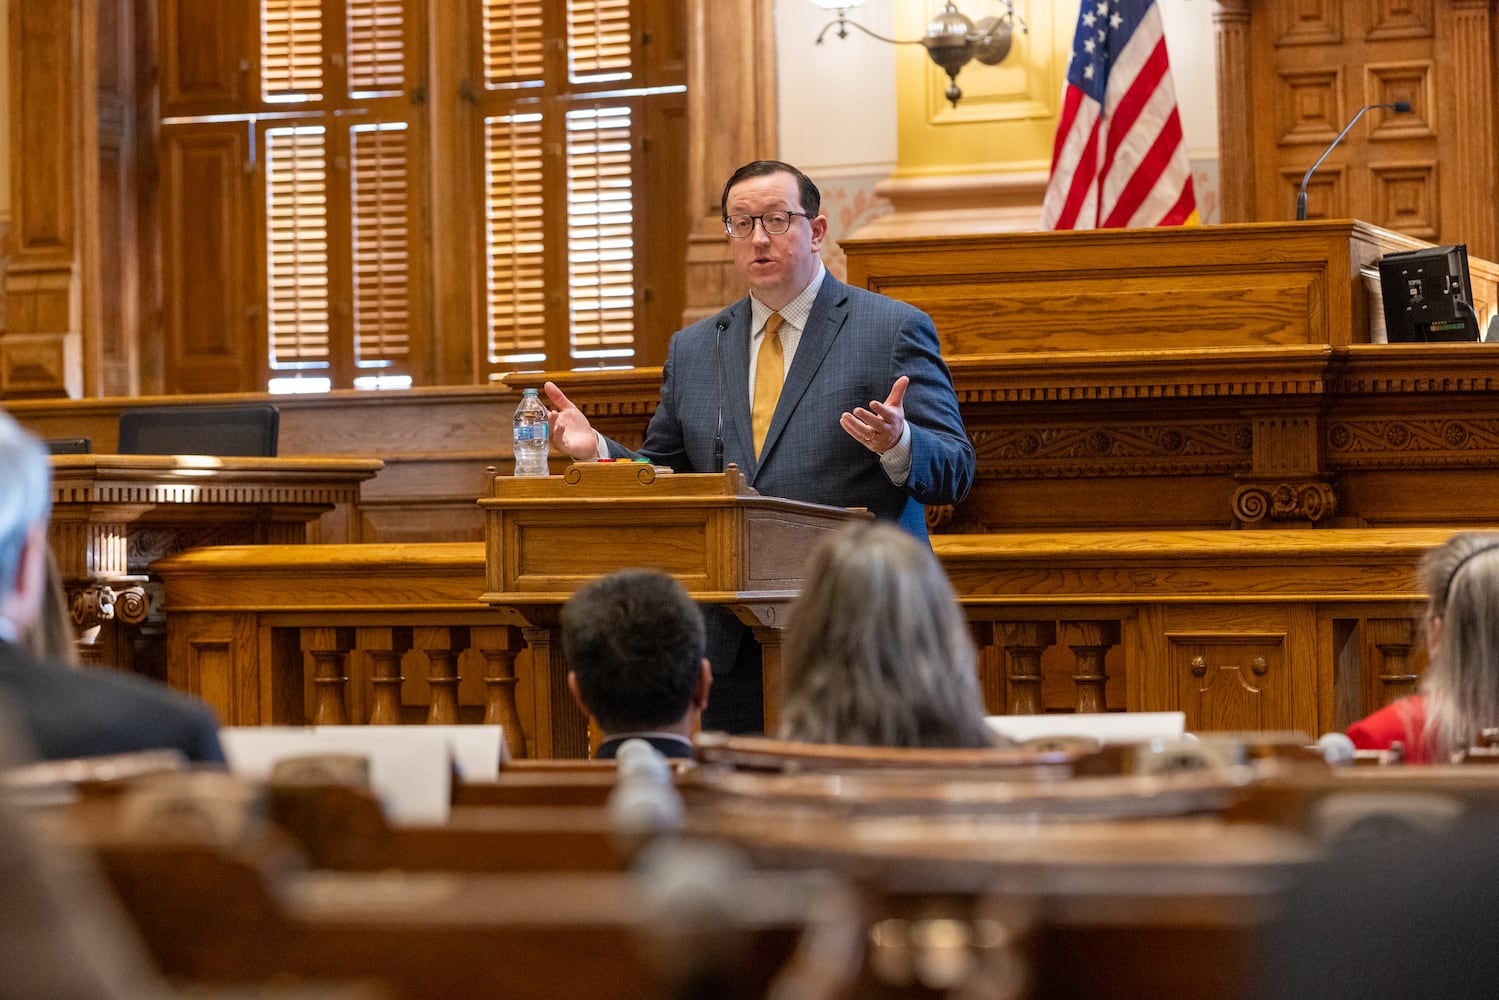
[411, 767]
[474, 750]
[1106, 727]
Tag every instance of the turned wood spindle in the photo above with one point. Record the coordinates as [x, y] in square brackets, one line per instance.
[1024, 643]
[1090, 642]
[329, 649]
[499, 647]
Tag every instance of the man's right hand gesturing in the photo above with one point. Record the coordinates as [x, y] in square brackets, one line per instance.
[570, 431]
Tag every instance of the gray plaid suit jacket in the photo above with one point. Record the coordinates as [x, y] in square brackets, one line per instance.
[855, 346]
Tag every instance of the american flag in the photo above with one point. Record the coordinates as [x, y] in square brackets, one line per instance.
[1119, 159]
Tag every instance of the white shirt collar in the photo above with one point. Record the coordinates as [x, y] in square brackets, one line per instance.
[796, 312]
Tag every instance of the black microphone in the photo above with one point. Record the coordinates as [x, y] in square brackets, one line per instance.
[719, 326]
[1399, 107]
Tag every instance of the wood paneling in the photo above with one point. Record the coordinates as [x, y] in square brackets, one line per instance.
[1275, 630]
[53, 165]
[1292, 73]
[208, 274]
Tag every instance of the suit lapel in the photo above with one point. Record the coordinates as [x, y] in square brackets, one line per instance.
[828, 314]
[737, 436]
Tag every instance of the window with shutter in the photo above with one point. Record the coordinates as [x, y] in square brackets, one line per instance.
[291, 50]
[514, 240]
[297, 248]
[342, 167]
[598, 41]
[563, 174]
[600, 233]
[382, 235]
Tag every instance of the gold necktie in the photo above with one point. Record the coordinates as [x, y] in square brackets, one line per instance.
[770, 372]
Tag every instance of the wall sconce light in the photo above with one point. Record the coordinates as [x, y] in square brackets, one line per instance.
[951, 39]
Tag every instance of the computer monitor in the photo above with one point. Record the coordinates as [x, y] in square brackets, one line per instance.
[1428, 295]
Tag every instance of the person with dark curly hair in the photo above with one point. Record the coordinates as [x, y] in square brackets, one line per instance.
[635, 648]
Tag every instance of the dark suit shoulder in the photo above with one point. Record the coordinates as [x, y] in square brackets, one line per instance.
[84, 712]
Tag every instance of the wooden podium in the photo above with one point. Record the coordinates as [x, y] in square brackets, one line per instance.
[727, 544]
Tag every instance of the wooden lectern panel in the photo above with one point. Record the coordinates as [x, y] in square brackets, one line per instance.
[546, 536]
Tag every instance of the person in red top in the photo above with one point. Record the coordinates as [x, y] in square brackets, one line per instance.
[1460, 690]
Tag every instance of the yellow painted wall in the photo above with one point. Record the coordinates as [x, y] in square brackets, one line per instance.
[1006, 119]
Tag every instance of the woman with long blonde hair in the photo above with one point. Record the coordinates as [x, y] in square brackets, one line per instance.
[877, 652]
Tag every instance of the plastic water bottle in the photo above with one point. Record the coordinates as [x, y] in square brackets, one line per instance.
[530, 435]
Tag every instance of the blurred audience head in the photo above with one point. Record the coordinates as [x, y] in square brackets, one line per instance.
[877, 652]
[25, 506]
[1461, 683]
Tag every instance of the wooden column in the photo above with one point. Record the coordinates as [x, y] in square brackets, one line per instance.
[1235, 110]
[731, 120]
[1470, 200]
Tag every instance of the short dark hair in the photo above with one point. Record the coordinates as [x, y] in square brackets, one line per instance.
[810, 196]
[635, 642]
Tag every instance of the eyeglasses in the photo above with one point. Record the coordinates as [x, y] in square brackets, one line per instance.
[774, 223]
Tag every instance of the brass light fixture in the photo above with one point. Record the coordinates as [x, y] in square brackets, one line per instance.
[951, 39]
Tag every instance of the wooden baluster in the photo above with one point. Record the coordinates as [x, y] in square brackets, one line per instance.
[1024, 642]
[385, 647]
[1395, 639]
[1090, 642]
[499, 645]
[329, 648]
[442, 647]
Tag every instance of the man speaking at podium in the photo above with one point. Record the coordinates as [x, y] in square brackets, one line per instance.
[817, 390]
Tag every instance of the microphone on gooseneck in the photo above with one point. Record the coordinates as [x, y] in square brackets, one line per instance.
[719, 325]
[1399, 107]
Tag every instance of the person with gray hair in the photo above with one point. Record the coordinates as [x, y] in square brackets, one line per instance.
[1460, 689]
[877, 652]
[72, 713]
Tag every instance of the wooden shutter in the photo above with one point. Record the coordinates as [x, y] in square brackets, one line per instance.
[207, 57]
[515, 238]
[601, 232]
[209, 341]
[381, 236]
[599, 40]
[514, 34]
[297, 292]
[291, 50]
[376, 46]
